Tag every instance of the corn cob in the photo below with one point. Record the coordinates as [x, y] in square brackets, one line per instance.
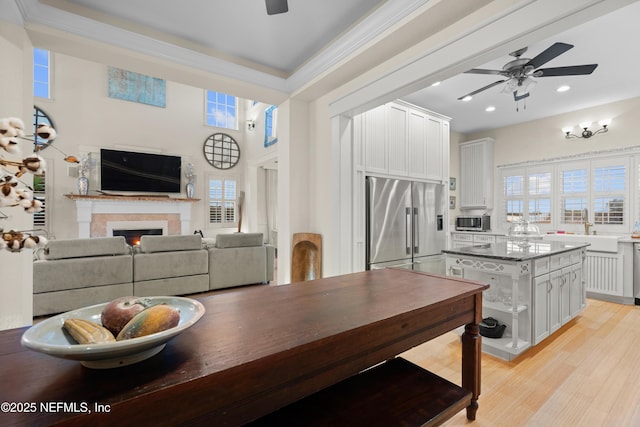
[87, 332]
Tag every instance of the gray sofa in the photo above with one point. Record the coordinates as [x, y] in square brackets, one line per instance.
[240, 259]
[81, 272]
[76, 273]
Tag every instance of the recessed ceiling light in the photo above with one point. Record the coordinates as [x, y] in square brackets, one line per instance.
[467, 98]
[435, 84]
[490, 108]
[563, 88]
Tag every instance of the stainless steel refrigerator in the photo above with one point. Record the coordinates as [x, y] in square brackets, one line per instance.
[405, 225]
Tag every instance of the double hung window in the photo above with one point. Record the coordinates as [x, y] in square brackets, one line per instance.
[222, 201]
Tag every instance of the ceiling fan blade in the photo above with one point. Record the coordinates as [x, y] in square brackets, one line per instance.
[275, 7]
[575, 70]
[484, 71]
[547, 55]
[482, 89]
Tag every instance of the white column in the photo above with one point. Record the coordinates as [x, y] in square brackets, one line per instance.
[84, 212]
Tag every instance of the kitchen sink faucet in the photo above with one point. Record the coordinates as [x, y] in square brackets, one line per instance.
[585, 220]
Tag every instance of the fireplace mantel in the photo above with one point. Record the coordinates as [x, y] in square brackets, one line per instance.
[87, 206]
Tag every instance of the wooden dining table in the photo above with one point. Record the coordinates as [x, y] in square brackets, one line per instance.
[254, 351]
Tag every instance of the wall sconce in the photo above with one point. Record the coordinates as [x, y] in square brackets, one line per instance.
[586, 133]
[251, 125]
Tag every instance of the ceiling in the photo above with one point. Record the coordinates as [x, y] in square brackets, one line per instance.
[237, 30]
[606, 41]
[242, 33]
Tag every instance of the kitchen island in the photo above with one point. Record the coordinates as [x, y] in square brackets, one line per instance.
[535, 288]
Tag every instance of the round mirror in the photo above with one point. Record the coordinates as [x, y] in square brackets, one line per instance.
[221, 151]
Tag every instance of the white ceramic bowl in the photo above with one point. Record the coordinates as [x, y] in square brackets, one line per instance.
[49, 337]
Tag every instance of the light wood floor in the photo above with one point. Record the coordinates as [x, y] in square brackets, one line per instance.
[586, 374]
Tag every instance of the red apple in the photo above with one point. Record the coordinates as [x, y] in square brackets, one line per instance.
[118, 312]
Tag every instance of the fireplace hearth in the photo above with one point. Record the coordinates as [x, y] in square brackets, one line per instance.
[132, 236]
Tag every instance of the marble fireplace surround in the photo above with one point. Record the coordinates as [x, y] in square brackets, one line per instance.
[98, 215]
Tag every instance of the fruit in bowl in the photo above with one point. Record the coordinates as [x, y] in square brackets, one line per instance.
[122, 319]
[120, 311]
[154, 319]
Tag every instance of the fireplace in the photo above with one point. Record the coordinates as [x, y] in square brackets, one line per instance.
[99, 215]
[132, 236]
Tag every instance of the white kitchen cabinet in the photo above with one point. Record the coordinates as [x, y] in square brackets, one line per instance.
[577, 300]
[476, 174]
[374, 135]
[461, 239]
[397, 139]
[435, 159]
[554, 301]
[417, 147]
[404, 141]
[559, 293]
[542, 288]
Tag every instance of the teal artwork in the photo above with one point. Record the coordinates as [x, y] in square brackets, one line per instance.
[136, 87]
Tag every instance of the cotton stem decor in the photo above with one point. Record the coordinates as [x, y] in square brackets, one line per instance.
[13, 191]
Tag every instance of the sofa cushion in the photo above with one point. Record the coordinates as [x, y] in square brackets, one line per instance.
[57, 302]
[81, 248]
[159, 265]
[239, 240]
[238, 266]
[172, 286]
[74, 273]
[150, 244]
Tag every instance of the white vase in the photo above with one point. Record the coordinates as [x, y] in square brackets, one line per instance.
[190, 190]
[83, 185]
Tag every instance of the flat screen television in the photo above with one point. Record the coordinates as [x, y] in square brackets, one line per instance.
[143, 172]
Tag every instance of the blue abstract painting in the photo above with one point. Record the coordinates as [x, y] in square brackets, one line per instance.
[136, 87]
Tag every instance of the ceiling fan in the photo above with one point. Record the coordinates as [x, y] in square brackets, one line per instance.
[520, 72]
[275, 7]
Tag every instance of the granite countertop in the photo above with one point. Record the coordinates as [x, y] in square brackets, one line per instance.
[510, 251]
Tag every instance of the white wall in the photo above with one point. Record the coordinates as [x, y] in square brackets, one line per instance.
[87, 120]
[543, 139]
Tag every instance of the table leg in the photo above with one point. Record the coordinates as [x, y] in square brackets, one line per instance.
[471, 354]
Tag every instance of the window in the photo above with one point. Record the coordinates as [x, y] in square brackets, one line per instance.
[40, 182]
[221, 110]
[540, 197]
[222, 201]
[41, 73]
[609, 194]
[555, 194]
[514, 197]
[574, 195]
[39, 193]
[270, 125]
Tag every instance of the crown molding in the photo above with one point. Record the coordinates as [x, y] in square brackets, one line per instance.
[371, 27]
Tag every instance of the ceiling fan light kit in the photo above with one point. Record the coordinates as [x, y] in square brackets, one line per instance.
[586, 133]
[520, 73]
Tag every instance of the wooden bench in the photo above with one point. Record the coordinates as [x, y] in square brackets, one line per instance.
[394, 393]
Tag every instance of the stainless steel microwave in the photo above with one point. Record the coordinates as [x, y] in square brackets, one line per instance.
[473, 223]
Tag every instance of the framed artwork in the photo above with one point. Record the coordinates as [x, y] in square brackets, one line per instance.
[452, 184]
[135, 87]
[452, 202]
